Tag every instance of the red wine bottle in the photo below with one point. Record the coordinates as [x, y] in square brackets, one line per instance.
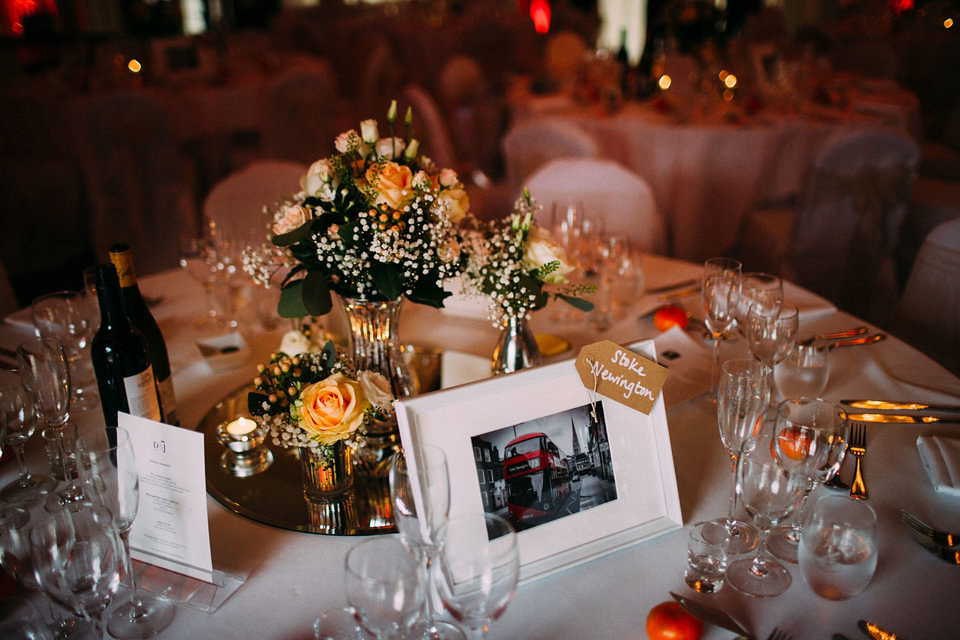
[120, 359]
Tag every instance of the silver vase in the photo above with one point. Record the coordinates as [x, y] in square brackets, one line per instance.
[517, 347]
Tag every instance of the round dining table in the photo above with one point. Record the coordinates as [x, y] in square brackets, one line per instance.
[289, 577]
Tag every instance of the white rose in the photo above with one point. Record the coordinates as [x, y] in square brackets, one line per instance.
[448, 178]
[369, 132]
[377, 389]
[294, 343]
[320, 181]
[292, 217]
[540, 249]
[390, 147]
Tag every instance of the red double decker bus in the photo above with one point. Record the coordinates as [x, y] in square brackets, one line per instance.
[536, 475]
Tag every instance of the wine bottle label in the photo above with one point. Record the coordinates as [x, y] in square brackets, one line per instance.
[168, 401]
[142, 398]
[123, 261]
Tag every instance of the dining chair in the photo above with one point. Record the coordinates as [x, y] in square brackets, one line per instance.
[529, 145]
[841, 239]
[302, 113]
[928, 313]
[606, 189]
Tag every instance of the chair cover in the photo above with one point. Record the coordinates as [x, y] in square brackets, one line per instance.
[528, 146]
[928, 315]
[429, 126]
[622, 198]
[301, 114]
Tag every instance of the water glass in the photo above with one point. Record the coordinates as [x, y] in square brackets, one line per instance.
[838, 547]
[386, 586]
[706, 556]
[59, 443]
[803, 373]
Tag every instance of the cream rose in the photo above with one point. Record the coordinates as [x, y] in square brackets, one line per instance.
[390, 148]
[369, 132]
[320, 181]
[332, 409]
[347, 141]
[294, 343]
[292, 217]
[456, 203]
[393, 182]
[377, 389]
[540, 249]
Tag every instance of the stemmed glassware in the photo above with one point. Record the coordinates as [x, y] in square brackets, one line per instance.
[770, 337]
[198, 258]
[742, 397]
[720, 291]
[810, 441]
[108, 470]
[76, 559]
[769, 494]
[761, 289]
[18, 419]
[386, 587]
[478, 569]
[419, 525]
[65, 316]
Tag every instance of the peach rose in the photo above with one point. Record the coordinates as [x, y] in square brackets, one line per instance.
[456, 203]
[293, 217]
[393, 182]
[332, 409]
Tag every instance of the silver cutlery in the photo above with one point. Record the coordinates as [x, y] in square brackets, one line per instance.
[889, 405]
[900, 418]
[849, 333]
[935, 535]
[858, 447]
[877, 337]
[944, 553]
[676, 285]
[873, 631]
[709, 614]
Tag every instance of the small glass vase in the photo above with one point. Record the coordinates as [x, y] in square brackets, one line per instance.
[517, 347]
[326, 479]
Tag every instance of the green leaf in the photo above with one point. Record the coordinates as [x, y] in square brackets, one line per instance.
[329, 353]
[577, 303]
[387, 277]
[292, 237]
[291, 301]
[315, 294]
[429, 294]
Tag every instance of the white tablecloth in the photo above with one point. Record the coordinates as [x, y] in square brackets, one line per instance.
[290, 577]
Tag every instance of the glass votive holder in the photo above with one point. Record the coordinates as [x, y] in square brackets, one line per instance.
[706, 556]
[246, 453]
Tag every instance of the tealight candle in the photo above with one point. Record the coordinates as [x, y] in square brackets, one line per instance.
[241, 426]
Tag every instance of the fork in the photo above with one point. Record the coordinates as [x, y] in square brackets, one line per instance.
[858, 447]
[942, 538]
[776, 634]
[950, 555]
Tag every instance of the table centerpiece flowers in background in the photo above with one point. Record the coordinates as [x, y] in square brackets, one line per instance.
[316, 402]
[518, 266]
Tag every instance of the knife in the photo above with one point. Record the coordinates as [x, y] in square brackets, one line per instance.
[873, 631]
[899, 418]
[675, 285]
[887, 405]
[877, 337]
[710, 615]
[856, 331]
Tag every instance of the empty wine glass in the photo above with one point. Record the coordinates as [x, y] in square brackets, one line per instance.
[18, 417]
[65, 316]
[76, 559]
[769, 494]
[742, 396]
[386, 587]
[810, 440]
[197, 257]
[478, 569]
[20, 619]
[108, 470]
[770, 338]
[720, 291]
[761, 289]
[418, 527]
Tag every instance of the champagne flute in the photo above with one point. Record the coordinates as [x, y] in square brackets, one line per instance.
[762, 289]
[742, 397]
[419, 532]
[65, 316]
[108, 469]
[18, 416]
[76, 559]
[770, 338]
[810, 440]
[478, 569]
[386, 587]
[720, 292]
[769, 494]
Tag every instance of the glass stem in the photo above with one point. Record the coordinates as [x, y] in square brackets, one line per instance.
[715, 367]
[733, 494]
[759, 565]
[22, 464]
[136, 609]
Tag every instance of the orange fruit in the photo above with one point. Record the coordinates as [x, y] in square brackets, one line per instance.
[793, 442]
[670, 316]
[669, 621]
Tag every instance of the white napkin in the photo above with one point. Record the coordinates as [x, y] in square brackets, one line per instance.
[940, 456]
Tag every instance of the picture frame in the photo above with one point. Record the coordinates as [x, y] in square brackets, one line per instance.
[548, 401]
[181, 59]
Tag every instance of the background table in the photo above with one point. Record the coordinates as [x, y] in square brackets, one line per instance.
[292, 577]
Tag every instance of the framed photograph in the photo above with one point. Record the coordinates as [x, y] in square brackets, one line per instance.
[182, 58]
[577, 474]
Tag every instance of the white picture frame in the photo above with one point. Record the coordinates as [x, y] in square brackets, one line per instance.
[646, 502]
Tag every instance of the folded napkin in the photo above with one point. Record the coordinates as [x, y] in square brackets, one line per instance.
[940, 456]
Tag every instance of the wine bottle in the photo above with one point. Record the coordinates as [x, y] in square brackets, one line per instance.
[140, 317]
[120, 359]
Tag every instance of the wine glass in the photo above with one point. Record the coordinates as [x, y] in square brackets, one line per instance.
[65, 316]
[770, 338]
[197, 257]
[386, 587]
[478, 569]
[720, 292]
[742, 397]
[762, 289]
[18, 417]
[76, 560]
[108, 470]
[432, 481]
[20, 619]
[810, 440]
[769, 494]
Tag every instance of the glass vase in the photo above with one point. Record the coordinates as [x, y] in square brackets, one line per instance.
[326, 479]
[517, 347]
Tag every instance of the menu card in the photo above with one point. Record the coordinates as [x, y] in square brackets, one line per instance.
[171, 519]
